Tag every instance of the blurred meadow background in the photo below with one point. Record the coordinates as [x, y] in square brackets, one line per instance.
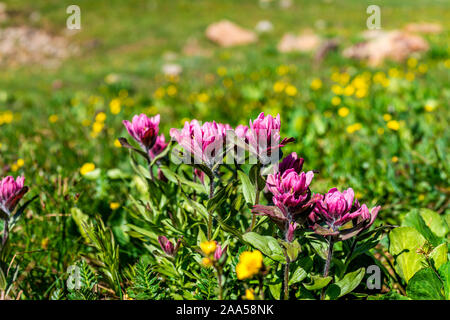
[379, 127]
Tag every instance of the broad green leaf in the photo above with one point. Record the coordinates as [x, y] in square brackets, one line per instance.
[346, 285]
[404, 242]
[444, 272]
[415, 220]
[435, 222]
[266, 244]
[439, 255]
[317, 282]
[247, 188]
[300, 273]
[425, 285]
[275, 290]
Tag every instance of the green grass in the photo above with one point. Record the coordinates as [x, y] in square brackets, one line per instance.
[132, 38]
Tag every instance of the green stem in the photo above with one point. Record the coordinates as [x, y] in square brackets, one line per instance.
[210, 218]
[286, 279]
[328, 262]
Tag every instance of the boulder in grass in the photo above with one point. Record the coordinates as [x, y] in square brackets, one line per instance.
[424, 27]
[227, 34]
[381, 45]
[306, 42]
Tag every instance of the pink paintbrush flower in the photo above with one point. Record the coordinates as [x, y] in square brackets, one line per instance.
[11, 191]
[144, 130]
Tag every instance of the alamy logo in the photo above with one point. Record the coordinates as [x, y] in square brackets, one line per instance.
[74, 279]
[73, 22]
[374, 281]
[374, 20]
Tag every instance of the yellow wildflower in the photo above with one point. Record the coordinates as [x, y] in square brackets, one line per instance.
[20, 162]
[249, 294]
[387, 117]
[208, 247]
[291, 90]
[393, 125]
[335, 101]
[207, 262]
[343, 112]
[87, 167]
[100, 117]
[53, 118]
[394, 159]
[114, 205]
[117, 143]
[114, 106]
[249, 264]
[316, 84]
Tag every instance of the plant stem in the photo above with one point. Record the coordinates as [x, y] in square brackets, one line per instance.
[5, 233]
[261, 287]
[286, 279]
[328, 262]
[252, 225]
[211, 195]
[219, 281]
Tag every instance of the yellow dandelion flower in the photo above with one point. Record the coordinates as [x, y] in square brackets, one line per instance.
[279, 86]
[393, 125]
[335, 101]
[208, 247]
[171, 90]
[394, 159]
[20, 163]
[100, 117]
[97, 127]
[410, 76]
[343, 112]
[114, 106]
[412, 63]
[86, 123]
[344, 78]
[203, 97]
[14, 167]
[421, 197]
[87, 167]
[429, 107]
[354, 127]
[349, 90]
[447, 63]
[221, 71]
[114, 205]
[291, 90]
[387, 117]
[316, 84]
[337, 90]
[423, 68]
[53, 118]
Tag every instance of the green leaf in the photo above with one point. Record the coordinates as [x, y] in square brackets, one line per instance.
[266, 244]
[317, 282]
[346, 285]
[439, 255]
[80, 219]
[415, 220]
[247, 188]
[275, 290]
[300, 273]
[425, 285]
[435, 222]
[404, 242]
[444, 272]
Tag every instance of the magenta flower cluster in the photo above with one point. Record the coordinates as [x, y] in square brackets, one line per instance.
[11, 191]
[294, 203]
